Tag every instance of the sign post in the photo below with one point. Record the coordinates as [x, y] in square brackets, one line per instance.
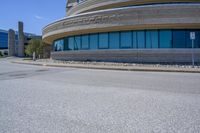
[192, 37]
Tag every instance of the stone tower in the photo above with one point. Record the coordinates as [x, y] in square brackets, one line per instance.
[20, 39]
[11, 42]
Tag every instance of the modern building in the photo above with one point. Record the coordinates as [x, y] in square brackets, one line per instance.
[126, 31]
[4, 41]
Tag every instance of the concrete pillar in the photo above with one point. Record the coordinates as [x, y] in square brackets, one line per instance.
[11, 42]
[20, 39]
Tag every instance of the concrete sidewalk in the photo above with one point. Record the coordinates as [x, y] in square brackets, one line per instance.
[112, 66]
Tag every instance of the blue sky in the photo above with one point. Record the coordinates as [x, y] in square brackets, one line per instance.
[34, 13]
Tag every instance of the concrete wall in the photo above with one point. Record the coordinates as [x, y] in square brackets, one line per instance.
[95, 5]
[181, 16]
[137, 56]
[11, 42]
[21, 39]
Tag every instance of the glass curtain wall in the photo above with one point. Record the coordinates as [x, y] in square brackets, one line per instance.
[143, 39]
[3, 40]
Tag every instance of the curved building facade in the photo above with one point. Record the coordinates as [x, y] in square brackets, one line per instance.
[126, 31]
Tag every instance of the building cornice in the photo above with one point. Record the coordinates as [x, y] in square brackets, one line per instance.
[95, 5]
[167, 16]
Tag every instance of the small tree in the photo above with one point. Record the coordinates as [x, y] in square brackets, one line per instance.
[35, 45]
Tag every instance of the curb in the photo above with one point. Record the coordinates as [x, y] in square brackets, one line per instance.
[120, 68]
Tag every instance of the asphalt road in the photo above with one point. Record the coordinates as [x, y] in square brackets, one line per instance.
[36, 99]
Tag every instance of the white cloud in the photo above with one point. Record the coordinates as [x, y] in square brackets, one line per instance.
[39, 17]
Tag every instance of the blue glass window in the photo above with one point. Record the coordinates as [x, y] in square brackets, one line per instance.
[134, 39]
[103, 40]
[59, 45]
[77, 43]
[165, 40]
[3, 40]
[126, 39]
[66, 43]
[141, 39]
[71, 43]
[179, 38]
[85, 42]
[114, 40]
[152, 39]
[94, 41]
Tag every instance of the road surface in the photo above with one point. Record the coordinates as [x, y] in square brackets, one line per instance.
[39, 99]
